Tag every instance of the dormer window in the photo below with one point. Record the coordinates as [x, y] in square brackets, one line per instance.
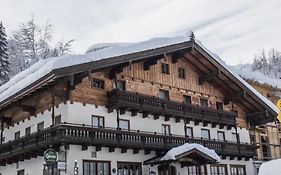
[181, 72]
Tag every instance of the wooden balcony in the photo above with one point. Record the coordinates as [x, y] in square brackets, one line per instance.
[34, 145]
[152, 105]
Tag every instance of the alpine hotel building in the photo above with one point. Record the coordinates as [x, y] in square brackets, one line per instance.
[118, 110]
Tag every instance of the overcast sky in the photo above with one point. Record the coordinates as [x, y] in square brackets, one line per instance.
[234, 29]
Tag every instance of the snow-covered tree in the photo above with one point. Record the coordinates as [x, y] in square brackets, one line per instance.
[31, 43]
[4, 63]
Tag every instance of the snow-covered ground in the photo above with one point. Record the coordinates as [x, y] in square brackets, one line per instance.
[271, 168]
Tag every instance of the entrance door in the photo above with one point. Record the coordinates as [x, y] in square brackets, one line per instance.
[167, 170]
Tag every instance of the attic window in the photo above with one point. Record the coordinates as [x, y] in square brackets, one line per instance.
[165, 68]
[96, 83]
[181, 72]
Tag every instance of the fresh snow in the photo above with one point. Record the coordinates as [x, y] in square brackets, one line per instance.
[272, 167]
[247, 73]
[100, 46]
[44, 67]
[174, 152]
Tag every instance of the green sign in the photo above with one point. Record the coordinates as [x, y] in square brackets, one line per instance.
[50, 156]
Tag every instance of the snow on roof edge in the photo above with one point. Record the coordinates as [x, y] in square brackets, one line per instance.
[43, 67]
[229, 69]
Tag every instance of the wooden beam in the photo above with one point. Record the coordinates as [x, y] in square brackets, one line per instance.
[84, 147]
[30, 109]
[147, 64]
[136, 151]
[256, 114]
[146, 151]
[124, 150]
[156, 116]
[208, 76]
[236, 96]
[122, 111]
[111, 149]
[116, 70]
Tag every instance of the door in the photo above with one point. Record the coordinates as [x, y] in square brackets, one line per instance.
[167, 170]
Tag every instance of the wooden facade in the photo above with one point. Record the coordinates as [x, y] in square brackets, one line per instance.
[153, 82]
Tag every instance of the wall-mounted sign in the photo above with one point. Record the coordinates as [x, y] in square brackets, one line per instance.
[61, 165]
[50, 156]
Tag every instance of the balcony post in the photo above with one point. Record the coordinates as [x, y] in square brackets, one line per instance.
[2, 128]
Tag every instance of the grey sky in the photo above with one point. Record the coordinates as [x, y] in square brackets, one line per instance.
[234, 29]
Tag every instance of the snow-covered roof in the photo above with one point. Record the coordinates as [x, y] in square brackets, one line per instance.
[272, 167]
[248, 74]
[174, 152]
[45, 67]
[100, 46]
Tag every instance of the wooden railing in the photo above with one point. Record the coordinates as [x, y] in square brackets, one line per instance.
[109, 137]
[154, 105]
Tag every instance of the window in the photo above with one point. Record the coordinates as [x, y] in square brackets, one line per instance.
[124, 124]
[164, 94]
[237, 170]
[97, 121]
[194, 170]
[27, 131]
[165, 68]
[235, 137]
[181, 73]
[17, 135]
[129, 168]
[189, 131]
[221, 136]
[166, 130]
[96, 167]
[205, 133]
[57, 119]
[20, 172]
[40, 126]
[120, 85]
[96, 83]
[218, 169]
[204, 102]
[187, 99]
[219, 106]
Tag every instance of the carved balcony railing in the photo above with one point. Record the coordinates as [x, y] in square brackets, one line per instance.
[34, 145]
[156, 106]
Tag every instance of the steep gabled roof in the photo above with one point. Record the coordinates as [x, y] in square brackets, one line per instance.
[49, 70]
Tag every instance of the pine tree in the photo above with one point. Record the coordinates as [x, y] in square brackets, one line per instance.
[4, 63]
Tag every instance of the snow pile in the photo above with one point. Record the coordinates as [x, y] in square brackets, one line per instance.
[247, 73]
[272, 167]
[171, 155]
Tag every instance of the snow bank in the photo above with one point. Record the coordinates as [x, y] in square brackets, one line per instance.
[272, 167]
[171, 155]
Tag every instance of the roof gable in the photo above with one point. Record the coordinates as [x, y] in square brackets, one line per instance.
[46, 71]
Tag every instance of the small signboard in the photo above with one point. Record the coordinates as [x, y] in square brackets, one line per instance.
[50, 156]
[61, 165]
